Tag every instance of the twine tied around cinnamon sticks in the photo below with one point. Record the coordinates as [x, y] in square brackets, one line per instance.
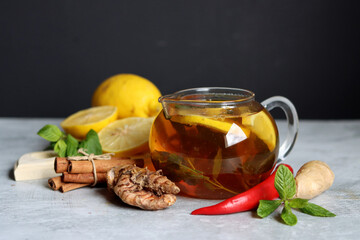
[91, 157]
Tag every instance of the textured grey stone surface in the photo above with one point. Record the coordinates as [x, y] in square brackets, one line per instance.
[30, 210]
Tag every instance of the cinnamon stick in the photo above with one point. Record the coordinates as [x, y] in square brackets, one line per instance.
[72, 186]
[64, 165]
[55, 183]
[61, 165]
[101, 165]
[83, 177]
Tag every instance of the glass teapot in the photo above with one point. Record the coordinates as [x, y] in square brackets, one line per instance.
[217, 142]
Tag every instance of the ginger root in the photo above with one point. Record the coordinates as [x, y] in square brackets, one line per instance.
[142, 188]
[312, 179]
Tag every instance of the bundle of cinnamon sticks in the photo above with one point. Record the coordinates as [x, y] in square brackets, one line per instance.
[77, 174]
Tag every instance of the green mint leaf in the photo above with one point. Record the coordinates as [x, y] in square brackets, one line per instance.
[285, 183]
[72, 146]
[288, 217]
[60, 148]
[50, 132]
[266, 207]
[315, 210]
[298, 203]
[91, 143]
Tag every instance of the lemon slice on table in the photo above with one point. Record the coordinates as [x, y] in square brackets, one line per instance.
[126, 137]
[96, 118]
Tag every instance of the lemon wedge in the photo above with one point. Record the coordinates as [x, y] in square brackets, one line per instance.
[96, 118]
[126, 137]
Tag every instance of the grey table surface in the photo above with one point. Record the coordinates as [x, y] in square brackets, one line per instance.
[30, 210]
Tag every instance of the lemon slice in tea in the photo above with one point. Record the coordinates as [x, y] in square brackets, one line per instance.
[126, 137]
[262, 125]
[96, 118]
[217, 125]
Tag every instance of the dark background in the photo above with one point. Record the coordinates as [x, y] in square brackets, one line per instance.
[53, 54]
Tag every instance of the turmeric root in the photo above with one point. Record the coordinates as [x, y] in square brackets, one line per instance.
[312, 179]
[142, 188]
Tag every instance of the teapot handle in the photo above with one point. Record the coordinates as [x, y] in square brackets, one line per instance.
[292, 120]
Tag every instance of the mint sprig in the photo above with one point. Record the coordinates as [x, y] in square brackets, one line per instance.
[287, 216]
[266, 207]
[51, 133]
[91, 143]
[285, 183]
[60, 148]
[315, 210]
[72, 146]
[66, 145]
[286, 187]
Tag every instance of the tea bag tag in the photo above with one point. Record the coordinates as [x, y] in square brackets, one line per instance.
[234, 135]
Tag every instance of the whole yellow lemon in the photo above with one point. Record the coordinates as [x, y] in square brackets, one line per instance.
[134, 96]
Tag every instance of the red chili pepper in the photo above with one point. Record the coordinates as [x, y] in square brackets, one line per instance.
[244, 201]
